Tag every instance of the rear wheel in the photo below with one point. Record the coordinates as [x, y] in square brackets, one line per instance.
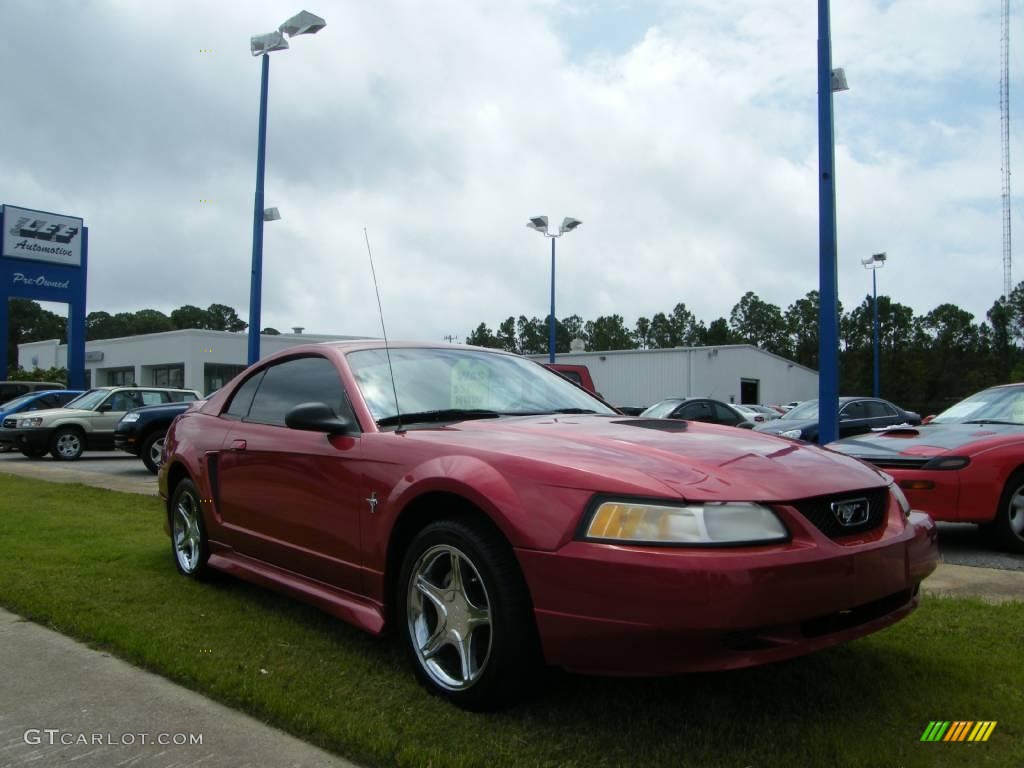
[33, 453]
[152, 451]
[1008, 525]
[67, 444]
[465, 615]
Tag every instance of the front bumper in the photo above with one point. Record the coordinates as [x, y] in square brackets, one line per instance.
[36, 438]
[642, 611]
[126, 442]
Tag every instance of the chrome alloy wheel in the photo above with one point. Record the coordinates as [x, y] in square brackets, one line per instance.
[187, 535]
[69, 445]
[156, 452]
[1016, 513]
[449, 617]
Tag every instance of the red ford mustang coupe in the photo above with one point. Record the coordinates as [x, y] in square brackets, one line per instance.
[965, 466]
[497, 517]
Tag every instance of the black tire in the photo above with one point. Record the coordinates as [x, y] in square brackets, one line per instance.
[1007, 528]
[67, 444]
[503, 653]
[34, 453]
[189, 545]
[152, 444]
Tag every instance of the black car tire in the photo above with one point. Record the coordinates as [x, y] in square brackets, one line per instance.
[67, 444]
[34, 453]
[153, 441]
[503, 651]
[1007, 528]
[189, 545]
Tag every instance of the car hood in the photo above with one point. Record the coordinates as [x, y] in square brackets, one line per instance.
[48, 414]
[656, 456]
[927, 440]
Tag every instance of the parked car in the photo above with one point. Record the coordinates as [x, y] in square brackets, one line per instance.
[698, 409]
[857, 415]
[36, 401]
[12, 389]
[765, 410]
[141, 431]
[504, 517]
[965, 466]
[85, 423]
[752, 413]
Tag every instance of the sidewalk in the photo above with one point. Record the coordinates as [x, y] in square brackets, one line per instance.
[990, 584]
[103, 709]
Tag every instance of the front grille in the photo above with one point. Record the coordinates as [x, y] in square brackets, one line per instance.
[819, 512]
[10, 423]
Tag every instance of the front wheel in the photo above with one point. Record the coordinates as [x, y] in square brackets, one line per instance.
[1008, 525]
[188, 533]
[67, 444]
[465, 614]
[152, 451]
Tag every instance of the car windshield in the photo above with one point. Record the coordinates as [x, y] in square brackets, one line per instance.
[442, 384]
[806, 410]
[998, 404]
[19, 401]
[89, 400]
[661, 410]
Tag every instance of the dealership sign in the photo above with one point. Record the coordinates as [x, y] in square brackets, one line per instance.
[41, 236]
[44, 257]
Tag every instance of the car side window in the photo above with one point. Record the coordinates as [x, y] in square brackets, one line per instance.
[241, 400]
[854, 410]
[695, 412]
[880, 410]
[295, 381]
[152, 398]
[124, 401]
[725, 415]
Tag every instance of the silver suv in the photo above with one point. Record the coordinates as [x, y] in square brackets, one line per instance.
[85, 424]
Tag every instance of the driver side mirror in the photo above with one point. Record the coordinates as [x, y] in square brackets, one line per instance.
[105, 408]
[317, 417]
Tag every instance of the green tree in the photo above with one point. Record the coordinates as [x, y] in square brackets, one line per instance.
[506, 335]
[268, 331]
[27, 321]
[642, 333]
[532, 335]
[760, 323]
[151, 321]
[224, 318]
[190, 316]
[483, 337]
[718, 333]
[608, 333]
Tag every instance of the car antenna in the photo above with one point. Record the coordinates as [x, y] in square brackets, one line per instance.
[387, 351]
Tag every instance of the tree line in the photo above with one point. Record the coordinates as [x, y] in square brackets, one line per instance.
[27, 321]
[927, 362]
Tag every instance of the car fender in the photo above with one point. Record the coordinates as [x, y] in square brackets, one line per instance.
[983, 481]
[73, 421]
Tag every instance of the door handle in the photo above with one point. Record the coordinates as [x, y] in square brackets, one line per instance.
[238, 445]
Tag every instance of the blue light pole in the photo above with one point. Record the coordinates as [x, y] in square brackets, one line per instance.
[828, 292]
[303, 23]
[874, 263]
[540, 223]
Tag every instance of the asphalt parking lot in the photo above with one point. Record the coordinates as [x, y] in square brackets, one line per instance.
[961, 544]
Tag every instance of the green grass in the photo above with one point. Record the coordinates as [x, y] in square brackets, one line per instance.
[96, 565]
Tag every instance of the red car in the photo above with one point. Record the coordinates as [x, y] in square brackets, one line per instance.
[503, 517]
[965, 466]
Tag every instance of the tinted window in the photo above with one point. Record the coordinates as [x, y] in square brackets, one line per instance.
[238, 408]
[726, 415]
[854, 410]
[302, 380]
[44, 402]
[695, 412]
[877, 409]
[152, 398]
[64, 398]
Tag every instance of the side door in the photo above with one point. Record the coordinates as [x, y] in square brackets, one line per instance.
[288, 497]
[107, 414]
[726, 415]
[853, 419]
[882, 414]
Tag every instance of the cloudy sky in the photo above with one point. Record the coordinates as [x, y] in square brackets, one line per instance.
[682, 132]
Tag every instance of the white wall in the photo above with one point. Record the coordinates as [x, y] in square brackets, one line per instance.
[643, 377]
[191, 348]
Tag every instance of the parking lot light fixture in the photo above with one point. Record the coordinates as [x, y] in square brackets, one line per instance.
[302, 23]
[874, 262]
[540, 224]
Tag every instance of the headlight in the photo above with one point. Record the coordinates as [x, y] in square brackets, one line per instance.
[948, 462]
[730, 522]
[32, 421]
[129, 418]
[901, 499]
[792, 433]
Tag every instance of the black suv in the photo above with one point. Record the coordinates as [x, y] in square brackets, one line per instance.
[141, 432]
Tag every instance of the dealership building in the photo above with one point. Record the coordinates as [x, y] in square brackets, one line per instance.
[193, 359]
